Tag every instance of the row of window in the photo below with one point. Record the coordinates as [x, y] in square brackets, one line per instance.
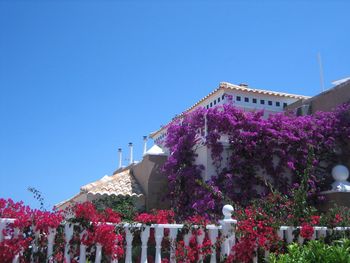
[246, 99]
[215, 101]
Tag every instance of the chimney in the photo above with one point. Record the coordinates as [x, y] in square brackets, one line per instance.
[144, 145]
[120, 157]
[131, 153]
[245, 85]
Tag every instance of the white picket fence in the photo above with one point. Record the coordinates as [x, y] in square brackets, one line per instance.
[226, 230]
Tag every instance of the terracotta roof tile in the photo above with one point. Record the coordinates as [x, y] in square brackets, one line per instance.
[122, 183]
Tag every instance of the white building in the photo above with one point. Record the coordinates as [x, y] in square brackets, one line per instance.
[244, 97]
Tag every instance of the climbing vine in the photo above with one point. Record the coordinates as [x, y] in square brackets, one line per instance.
[252, 155]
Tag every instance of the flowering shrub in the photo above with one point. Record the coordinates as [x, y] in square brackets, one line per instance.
[10, 248]
[277, 147]
[256, 230]
[32, 229]
[195, 226]
[193, 251]
[94, 228]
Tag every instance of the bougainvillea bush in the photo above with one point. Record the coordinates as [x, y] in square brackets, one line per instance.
[256, 230]
[262, 154]
[27, 236]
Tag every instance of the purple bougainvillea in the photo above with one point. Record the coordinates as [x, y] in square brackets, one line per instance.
[263, 154]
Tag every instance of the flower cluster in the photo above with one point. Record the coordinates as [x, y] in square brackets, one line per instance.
[156, 217]
[44, 220]
[193, 251]
[19, 235]
[31, 227]
[97, 228]
[306, 231]
[255, 229]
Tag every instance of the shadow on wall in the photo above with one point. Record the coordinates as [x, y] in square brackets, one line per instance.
[154, 183]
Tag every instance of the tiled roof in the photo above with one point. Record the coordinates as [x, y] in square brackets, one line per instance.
[229, 86]
[260, 91]
[122, 183]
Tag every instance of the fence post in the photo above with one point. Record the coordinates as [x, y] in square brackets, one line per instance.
[159, 233]
[82, 248]
[128, 237]
[228, 231]
[213, 235]
[68, 234]
[35, 243]
[98, 253]
[173, 234]
[50, 242]
[289, 234]
[187, 238]
[200, 239]
[144, 240]
[16, 233]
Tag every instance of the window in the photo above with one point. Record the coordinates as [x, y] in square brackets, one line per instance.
[218, 100]
[214, 102]
[207, 106]
[246, 99]
[211, 104]
[223, 97]
[270, 103]
[284, 104]
[254, 100]
[262, 101]
[278, 104]
[238, 98]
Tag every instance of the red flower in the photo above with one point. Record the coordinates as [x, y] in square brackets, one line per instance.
[306, 231]
[338, 219]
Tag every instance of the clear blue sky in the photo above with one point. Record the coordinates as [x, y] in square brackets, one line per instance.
[78, 79]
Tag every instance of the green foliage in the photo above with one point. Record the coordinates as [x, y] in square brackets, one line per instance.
[301, 206]
[315, 252]
[124, 205]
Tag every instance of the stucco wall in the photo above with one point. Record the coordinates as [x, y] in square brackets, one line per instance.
[329, 99]
[153, 182]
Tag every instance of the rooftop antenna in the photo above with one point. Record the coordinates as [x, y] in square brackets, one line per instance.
[321, 70]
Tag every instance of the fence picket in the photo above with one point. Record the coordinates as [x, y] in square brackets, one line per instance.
[50, 242]
[98, 253]
[128, 237]
[200, 239]
[213, 235]
[187, 238]
[159, 234]
[173, 235]
[144, 240]
[68, 234]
